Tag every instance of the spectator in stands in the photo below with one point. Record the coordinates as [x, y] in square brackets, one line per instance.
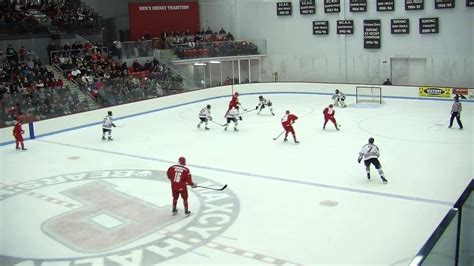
[222, 31]
[22, 53]
[11, 53]
[118, 49]
[387, 82]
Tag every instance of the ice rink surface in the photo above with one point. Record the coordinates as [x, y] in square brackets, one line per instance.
[72, 199]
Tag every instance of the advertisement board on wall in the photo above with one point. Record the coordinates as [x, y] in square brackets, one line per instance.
[437, 92]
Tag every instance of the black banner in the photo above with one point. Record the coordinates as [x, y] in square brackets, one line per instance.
[429, 25]
[332, 6]
[385, 5]
[439, 4]
[358, 5]
[414, 5]
[400, 26]
[345, 27]
[372, 38]
[283, 8]
[469, 3]
[321, 27]
[307, 7]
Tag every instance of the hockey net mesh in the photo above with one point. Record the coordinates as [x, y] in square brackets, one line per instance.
[368, 94]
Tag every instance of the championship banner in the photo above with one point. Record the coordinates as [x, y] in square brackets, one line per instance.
[437, 92]
[284, 9]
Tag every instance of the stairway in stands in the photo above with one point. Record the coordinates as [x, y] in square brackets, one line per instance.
[73, 87]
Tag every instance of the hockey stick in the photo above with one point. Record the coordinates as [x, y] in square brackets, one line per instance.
[219, 189]
[217, 123]
[120, 125]
[248, 111]
[275, 138]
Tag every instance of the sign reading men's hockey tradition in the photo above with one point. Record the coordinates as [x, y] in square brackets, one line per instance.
[385, 5]
[307, 7]
[345, 27]
[400, 26]
[284, 9]
[332, 6]
[358, 5]
[439, 4]
[320, 27]
[414, 5]
[469, 3]
[372, 36]
[429, 25]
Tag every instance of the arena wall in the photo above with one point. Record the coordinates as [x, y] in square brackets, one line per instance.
[94, 118]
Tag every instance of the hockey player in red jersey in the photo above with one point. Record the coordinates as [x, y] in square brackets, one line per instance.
[287, 121]
[17, 133]
[180, 177]
[329, 113]
[233, 102]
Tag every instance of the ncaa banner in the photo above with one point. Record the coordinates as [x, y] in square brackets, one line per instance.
[437, 92]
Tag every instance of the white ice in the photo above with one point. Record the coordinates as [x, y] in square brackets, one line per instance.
[281, 187]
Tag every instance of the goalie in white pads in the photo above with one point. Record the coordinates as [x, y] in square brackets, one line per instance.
[107, 125]
[262, 103]
[370, 153]
[205, 116]
[339, 99]
[232, 116]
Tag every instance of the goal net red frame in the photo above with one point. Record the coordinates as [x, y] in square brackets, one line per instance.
[369, 94]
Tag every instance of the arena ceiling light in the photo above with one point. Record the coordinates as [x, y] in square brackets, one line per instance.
[199, 64]
[214, 62]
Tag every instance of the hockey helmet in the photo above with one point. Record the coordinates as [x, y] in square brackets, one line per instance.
[236, 94]
[109, 112]
[371, 140]
[331, 106]
[260, 97]
[182, 160]
[337, 91]
[208, 106]
[287, 112]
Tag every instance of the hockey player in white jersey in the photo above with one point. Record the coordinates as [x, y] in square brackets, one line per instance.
[232, 116]
[205, 116]
[107, 125]
[370, 153]
[262, 103]
[339, 99]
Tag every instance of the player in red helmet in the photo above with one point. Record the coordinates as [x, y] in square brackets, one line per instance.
[233, 102]
[180, 177]
[329, 113]
[17, 133]
[287, 122]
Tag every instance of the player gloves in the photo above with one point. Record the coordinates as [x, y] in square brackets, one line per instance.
[240, 118]
[359, 159]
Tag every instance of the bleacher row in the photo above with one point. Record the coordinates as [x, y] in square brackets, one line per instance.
[47, 16]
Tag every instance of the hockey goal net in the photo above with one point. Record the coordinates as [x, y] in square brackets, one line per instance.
[369, 94]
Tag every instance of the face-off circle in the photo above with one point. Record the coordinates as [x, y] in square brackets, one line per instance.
[108, 218]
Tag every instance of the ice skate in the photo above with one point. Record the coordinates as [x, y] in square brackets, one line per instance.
[175, 211]
[206, 128]
[103, 138]
[368, 176]
[187, 212]
[110, 138]
[385, 181]
[199, 126]
[236, 129]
